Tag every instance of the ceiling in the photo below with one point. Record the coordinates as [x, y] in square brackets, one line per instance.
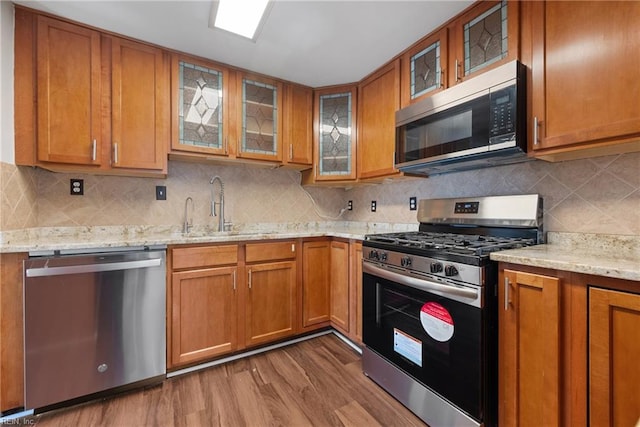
[315, 43]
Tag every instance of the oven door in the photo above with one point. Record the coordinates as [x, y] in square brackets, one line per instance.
[429, 335]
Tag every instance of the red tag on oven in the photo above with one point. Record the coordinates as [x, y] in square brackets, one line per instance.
[437, 321]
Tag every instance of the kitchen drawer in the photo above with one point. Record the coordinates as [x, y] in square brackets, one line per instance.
[204, 256]
[257, 252]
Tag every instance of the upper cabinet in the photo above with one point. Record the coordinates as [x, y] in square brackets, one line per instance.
[68, 93]
[378, 100]
[482, 37]
[297, 138]
[260, 118]
[334, 136]
[88, 102]
[200, 113]
[139, 105]
[584, 63]
[424, 67]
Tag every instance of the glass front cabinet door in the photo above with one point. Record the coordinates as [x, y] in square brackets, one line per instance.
[260, 136]
[424, 67]
[334, 135]
[200, 107]
[483, 37]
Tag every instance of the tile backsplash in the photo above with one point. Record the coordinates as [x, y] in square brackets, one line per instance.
[599, 195]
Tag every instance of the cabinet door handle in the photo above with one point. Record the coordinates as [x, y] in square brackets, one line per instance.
[506, 293]
[234, 280]
[457, 68]
[535, 130]
[249, 278]
[226, 146]
[442, 78]
[115, 152]
[94, 150]
[290, 152]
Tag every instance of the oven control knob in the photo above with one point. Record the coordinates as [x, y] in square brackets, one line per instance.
[383, 256]
[450, 270]
[405, 261]
[435, 267]
[373, 254]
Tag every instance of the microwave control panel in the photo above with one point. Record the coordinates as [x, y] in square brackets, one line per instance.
[502, 104]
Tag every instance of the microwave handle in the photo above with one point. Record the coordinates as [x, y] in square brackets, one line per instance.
[420, 284]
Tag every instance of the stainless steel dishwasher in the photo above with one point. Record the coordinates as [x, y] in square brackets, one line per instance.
[94, 322]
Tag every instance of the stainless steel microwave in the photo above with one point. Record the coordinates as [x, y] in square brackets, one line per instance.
[478, 123]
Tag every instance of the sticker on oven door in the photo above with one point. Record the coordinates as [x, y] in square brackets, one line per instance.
[407, 346]
[437, 321]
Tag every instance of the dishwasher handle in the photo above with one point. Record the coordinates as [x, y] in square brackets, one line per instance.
[92, 268]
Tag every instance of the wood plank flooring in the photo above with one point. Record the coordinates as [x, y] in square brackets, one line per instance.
[318, 382]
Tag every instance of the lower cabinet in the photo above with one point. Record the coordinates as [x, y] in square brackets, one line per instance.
[568, 348]
[271, 291]
[203, 299]
[206, 298]
[614, 372]
[223, 298]
[340, 285]
[316, 291]
[529, 349]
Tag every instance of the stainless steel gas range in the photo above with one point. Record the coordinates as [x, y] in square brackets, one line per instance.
[430, 305]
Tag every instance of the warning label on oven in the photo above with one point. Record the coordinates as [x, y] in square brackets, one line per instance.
[436, 321]
[407, 346]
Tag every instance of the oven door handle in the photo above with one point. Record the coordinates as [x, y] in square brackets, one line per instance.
[421, 284]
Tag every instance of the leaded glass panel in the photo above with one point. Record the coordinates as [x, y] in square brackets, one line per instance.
[200, 115]
[259, 117]
[335, 134]
[425, 70]
[485, 38]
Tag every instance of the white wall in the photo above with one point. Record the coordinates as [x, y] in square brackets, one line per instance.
[7, 153]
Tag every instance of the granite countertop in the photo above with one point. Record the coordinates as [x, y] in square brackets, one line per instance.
[91, 237]
[616, 256]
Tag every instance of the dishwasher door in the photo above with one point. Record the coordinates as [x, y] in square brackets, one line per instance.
[93, 322]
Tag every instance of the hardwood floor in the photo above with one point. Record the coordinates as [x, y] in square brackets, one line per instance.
[318, 382]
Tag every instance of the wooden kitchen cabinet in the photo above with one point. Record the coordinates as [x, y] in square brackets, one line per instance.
[614, 374]
[88, 102]
[340, 285]
[259, 117]
[11, 332]
[297, 136]
[567, 348]
[378, 100]
[316, 290]
[584, 96]
[271, 293]
[200, 107]
[483, 37]
[424, 68]
[203, 303]
[334, 135]
[139, 105]
[68, 92]
[355, 291]
[529, 354]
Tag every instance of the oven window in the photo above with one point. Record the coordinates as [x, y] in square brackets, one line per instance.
[432, 338]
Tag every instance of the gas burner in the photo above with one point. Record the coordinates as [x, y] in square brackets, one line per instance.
[462, 244]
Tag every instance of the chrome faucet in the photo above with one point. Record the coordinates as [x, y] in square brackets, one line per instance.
[220, 213]
[186, 227]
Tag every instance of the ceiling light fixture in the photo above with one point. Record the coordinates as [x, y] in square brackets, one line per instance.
[241, 17]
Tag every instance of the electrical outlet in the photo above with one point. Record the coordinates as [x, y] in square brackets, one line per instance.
[161, 192]
[350, 205]
[374, 205]
[76, 187]
[413, 203]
